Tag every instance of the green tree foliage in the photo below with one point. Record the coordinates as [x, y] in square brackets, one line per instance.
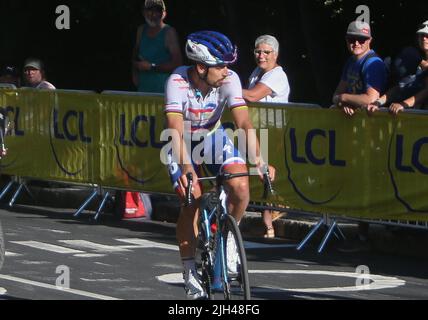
[95, 54]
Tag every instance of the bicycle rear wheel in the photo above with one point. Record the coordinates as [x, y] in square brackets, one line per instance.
[237, 284]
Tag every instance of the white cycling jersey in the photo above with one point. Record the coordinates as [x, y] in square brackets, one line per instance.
[202, 112]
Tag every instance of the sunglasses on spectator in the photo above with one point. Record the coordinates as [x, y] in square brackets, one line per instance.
[266, 52]
[360, 40]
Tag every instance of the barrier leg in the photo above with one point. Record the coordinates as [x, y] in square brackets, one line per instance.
[106, 196]
[85, 204]
[29, 192]
[15, 196]
[310, 234]
[327, 236]
[340, 235]
[6, 189]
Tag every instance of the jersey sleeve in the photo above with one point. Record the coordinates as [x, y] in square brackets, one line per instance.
[174, 88]
[231, 91]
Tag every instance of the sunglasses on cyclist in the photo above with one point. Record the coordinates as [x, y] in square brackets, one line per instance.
[360, 40]
[266, 52]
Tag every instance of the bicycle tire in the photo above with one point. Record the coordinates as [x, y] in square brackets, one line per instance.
[233, 291]
[205, 266]
[2, 247]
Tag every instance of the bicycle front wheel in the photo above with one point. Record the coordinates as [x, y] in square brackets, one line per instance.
[237, 282]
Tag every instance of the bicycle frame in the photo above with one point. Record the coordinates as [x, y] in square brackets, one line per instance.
[214, 260]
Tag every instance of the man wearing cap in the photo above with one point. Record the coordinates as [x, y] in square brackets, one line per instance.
[34, 75]
[157, 50]
[363, 81]
[364, 77]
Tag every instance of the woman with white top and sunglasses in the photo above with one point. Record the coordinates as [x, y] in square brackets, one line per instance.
[268, 83]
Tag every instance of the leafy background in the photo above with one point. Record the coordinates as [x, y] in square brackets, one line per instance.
[95, 53]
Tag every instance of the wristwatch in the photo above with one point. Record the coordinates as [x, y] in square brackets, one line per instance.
[153, 66]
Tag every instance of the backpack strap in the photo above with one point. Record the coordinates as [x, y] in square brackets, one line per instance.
[368, 56]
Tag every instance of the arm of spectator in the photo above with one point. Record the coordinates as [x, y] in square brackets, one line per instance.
[379, 103]
[413, 102]
[257, 93]
[135, 56]
[341, 89]
[359, 100]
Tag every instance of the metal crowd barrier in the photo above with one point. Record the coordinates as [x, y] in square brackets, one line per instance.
[326, 222]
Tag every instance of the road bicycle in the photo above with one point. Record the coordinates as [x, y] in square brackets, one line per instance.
[220, 242]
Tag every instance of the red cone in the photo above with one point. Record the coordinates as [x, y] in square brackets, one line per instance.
[134, 207]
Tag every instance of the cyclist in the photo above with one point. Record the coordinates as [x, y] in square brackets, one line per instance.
[196, 96]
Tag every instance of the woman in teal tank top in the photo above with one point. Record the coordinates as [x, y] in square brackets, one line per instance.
[157, 51]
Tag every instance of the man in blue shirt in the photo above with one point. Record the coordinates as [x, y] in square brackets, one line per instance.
[364, 77]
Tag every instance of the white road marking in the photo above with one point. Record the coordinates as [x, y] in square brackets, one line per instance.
[12, 254]
[93, 246]
[105, 280]
[90, 255]
[51, 230]
[141, 243]
[47, 247]
[26, 262]
[379, 282]
[52, 287]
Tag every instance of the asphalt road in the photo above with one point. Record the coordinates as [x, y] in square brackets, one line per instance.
[51, 256]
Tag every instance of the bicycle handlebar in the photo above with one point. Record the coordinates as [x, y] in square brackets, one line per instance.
[267, 182]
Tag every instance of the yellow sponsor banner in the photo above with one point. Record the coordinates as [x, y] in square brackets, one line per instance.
[130, 143]
[55, 135]
[373, 167]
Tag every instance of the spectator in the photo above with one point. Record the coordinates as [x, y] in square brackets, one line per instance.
[363, 82]
[422, 31]
[157, 51]
[411, 70]
[268, 83]
[35, 75]
[10, 75]
[156, 54]
[364, 76]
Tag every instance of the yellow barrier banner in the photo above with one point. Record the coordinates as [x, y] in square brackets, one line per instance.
[373, 167]
[129, 143]
[55, 135]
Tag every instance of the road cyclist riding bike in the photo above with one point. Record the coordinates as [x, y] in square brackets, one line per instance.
[222, 261]
[196, 97]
